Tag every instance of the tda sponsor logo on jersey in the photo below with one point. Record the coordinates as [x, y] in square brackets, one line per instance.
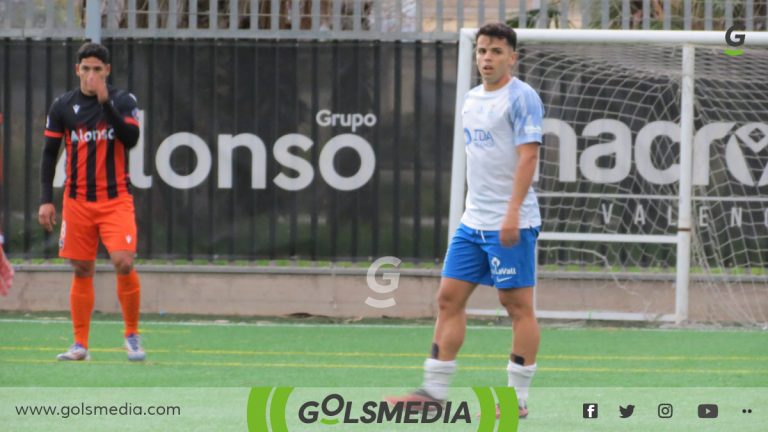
[478, 137]
[333, 409]
[92, 135]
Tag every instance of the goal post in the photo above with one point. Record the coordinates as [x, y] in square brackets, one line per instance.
[624, 103]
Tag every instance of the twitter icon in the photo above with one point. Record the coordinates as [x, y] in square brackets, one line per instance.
[626, 412]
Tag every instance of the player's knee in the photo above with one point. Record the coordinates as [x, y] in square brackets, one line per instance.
[83, 269]
[123, 265]
[520, 315]
[517, 309]
[83, 272]
[447, 301]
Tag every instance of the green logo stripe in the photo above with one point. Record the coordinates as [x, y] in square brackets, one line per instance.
[508, 408]
[277, 409]
[257, 409]
[734, 52]
[487, 409]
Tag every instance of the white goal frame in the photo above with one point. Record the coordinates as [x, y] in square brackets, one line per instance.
[686, 39]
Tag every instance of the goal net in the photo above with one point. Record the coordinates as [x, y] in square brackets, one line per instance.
[614, 245]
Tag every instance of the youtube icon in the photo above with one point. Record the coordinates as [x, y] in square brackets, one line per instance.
[708, 411]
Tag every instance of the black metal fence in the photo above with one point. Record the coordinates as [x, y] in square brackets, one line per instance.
[323, 150]
[287, 114]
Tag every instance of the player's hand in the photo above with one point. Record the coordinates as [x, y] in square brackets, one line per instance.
[99, 87]
[509, 234]
[46, 216]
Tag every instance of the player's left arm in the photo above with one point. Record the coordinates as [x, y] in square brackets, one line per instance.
[527, 159]
[527, 117]
[121, 112]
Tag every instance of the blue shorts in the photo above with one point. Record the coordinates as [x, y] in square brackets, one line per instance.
[478, 257]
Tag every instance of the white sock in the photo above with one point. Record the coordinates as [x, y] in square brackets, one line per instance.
[437, 377]
[520, 378]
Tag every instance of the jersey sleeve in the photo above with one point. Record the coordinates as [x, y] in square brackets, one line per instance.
[526, 116]
[122, 113]
[54, 131]
[54, 127]
[128, 108]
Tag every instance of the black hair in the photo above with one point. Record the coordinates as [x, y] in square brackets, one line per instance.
[92, 49]
[500, 31]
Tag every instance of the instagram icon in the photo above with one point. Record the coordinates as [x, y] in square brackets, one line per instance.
[665, 410]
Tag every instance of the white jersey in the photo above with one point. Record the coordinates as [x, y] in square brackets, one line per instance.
[495, 123]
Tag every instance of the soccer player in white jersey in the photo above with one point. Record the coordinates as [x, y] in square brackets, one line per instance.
[496, 240]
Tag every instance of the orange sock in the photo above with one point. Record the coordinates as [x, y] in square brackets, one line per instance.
[129, 293]
[81, 306]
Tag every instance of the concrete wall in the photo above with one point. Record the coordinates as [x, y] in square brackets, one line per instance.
[343, 293]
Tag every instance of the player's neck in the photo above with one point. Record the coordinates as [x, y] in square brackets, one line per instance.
[504, 80]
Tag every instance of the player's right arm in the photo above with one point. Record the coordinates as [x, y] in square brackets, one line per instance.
[54, 131]
[122, 114]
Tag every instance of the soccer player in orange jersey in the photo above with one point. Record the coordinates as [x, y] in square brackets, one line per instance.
[99, 125]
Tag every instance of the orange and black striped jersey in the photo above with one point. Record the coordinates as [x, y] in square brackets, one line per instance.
[96, 157]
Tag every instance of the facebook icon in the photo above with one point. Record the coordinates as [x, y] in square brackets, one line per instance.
[590, 410]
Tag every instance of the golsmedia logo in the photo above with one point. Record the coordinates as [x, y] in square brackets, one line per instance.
[288, 409]
[735, 40]
[334, 409]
